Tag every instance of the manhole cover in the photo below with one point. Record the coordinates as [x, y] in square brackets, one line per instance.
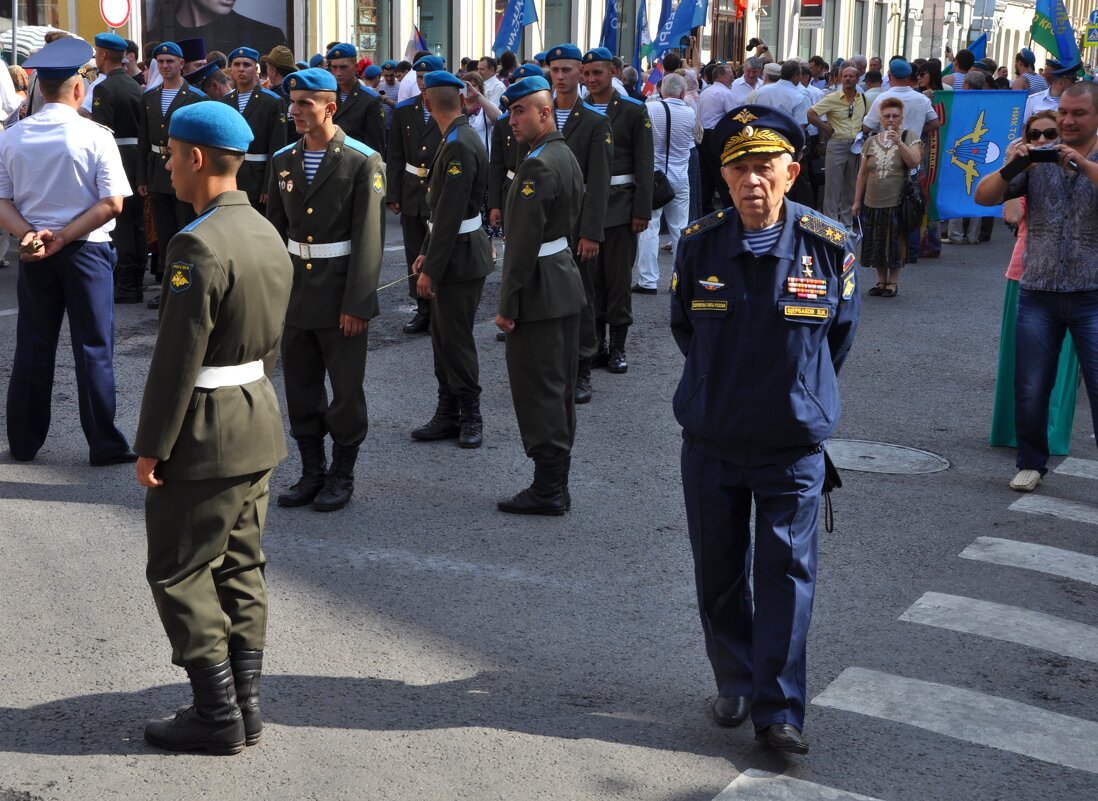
[882, 457]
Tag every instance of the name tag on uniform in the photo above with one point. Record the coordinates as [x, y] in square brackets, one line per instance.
[807, 312]
[709, 305]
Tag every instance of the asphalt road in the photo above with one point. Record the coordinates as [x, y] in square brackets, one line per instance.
[424, 646]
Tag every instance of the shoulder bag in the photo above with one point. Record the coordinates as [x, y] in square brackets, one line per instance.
[662, 191]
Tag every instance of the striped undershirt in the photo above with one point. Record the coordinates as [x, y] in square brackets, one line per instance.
[242, 100]
[761, 242]
[166, 98]
[562, 117]
[343, 96]
[312, 161]
[600, 106]
[426, 114]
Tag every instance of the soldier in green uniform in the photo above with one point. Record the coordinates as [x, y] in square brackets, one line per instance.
[157, 106]
[325, 198]
[505, 153]
[413, 140]
[629, 209]
[587, 132]
[265, 113]
[116, 104]
[540, 298]
[210, 433]
[359, 111]
[455, 259]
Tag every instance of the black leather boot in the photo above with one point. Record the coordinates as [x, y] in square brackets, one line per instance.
[602, 355]
[213, 723]
[314, 467]
[472, 424]
[566, 468]
[422, 319]
[582, 392]
[543, 497]
[247, 667]
[618, 364]
[340, 483]
[446, 422]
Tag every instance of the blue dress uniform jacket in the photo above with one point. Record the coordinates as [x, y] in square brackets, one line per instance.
[759, 383]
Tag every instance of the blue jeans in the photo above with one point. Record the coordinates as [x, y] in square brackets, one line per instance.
[1043, 318]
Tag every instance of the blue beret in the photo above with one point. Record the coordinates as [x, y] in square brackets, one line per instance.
[110, 41]
[429, 64]
[524, 87]
[61, 59]
[316, 60]
[199, 76]
[212, 125]
[597, 54]
[1027, 56]
[527, 71]
[763, 130]
[388, 65]
[343, 50]
[313, 79]
[899, 67]
[540, 57]
[301, 65]
[433, 80]
[564, 51]
[371, 71]
[193, 49]
[244, 52]
[168, 49]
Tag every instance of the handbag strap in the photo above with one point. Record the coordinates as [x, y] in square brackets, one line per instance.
[667, 150]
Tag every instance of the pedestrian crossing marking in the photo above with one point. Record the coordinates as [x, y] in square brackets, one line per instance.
[1057, 507]
[758, 785]
[1007, 623]
[1081, 468]
[967, 715]
[1030, 556]
[9, 312]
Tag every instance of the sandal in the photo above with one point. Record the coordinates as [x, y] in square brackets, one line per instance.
[889, 291]
[877, 290]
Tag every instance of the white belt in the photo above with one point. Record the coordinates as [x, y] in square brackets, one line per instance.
[551, 248]
[419, 172]
[231, 376]
[157, 149]
[467, 226]
[330, 250]
[622, 180]
[255, 156]
[126, 140]
[510, 175]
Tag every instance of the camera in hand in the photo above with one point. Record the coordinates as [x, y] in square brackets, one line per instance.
[1043, 154]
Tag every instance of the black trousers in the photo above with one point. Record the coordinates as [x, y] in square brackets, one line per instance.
[613, 272]
[169, 216]
[541, 366]
[308, 354]
[588, 341]
[415, 231]
[128, 236]
[711, 180]
[453, 312]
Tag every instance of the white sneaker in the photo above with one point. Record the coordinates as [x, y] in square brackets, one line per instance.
[1025, 481]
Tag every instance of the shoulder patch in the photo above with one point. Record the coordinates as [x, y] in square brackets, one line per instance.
[713, 220]
[824, 228]
[849, 279]
[267, 91]
[453, 169]
[411, 101]
[198, 221]
[378, 183]
[590, 108]
[528, 190]
[179, 279]
[354, 144]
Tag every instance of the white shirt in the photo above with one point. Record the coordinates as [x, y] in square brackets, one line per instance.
[1042, 101]
[56, 165]
[493, 89]
[783, 95]
[716, 101]
[479, 123]
[682, 137]
[814, 94]
[408, 87]
[9, 100]
[918, 109]
[741, 90]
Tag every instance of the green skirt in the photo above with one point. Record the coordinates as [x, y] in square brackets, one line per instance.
[1061, 409]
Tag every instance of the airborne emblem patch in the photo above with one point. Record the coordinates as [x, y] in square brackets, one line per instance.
[180, 280]
[453, 169]
[528, 190]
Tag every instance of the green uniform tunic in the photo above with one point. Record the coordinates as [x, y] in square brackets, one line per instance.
[502, 162]
[362, 117]
[413, 143]
[543, 295]
[265, 114]
[224, 305]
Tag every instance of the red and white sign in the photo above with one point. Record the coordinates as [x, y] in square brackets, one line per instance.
[115, 13]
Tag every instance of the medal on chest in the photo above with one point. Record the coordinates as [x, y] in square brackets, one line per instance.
[806, 286]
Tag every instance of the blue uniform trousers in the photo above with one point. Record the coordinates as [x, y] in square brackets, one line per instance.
[756, 649]
[78, 281]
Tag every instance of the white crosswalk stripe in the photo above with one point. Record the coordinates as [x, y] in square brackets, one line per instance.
[1007, 623]
[1057, 507]
[967, 715]
[1082, 468]
[1031, 556]
[758, 785]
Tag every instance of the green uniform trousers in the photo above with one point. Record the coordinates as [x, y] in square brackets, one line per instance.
[613, 273]
[309, 353]
[415, 231]
[453, 312]
[206, 565]
[541, 364]
[588, 340]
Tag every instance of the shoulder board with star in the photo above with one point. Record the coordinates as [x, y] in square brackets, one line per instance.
[706, 223]
[825, 228]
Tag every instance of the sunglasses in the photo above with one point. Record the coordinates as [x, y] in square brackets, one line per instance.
[1037, 133]
[850, 111]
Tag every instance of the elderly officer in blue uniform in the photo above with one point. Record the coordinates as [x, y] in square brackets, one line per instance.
[62, 183]
[764, 307]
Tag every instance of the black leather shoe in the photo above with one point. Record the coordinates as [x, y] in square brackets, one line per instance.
[730, 712]
[783, 737]
[126, 457]
[644, 290]
[501, 336]
[154, 303]
[418, 324]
